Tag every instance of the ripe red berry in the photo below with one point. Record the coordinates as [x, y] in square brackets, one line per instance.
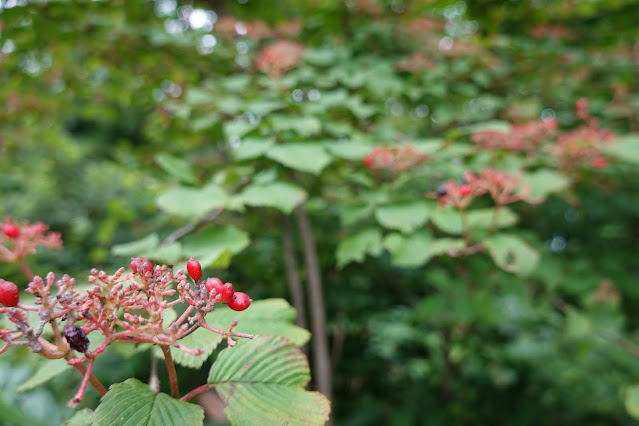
[214, 284]
[368, 160]
[240, 301]
[226, 293]
[140, 265]
[599, 162]
[194, 269]
[465, 190]
[9, 294]
[11, 230]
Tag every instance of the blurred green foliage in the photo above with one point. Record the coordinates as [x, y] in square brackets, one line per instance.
[122, 120]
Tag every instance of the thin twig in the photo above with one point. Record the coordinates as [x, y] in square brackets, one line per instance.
[198, 390]
[97, 385]
[170, 368]
[321, 356]
[26, 269]
[292, 275]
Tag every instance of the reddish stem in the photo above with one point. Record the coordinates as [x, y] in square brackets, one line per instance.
[198, 390]
[170, 368]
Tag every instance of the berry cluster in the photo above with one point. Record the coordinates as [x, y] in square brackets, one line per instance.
[521, 137]
[395, 159]
[20, 240]
[123, 307]
[279, 57]
[502, 187]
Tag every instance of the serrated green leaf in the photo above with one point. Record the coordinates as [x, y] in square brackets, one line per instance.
[443, 245]
[625, 148]
[544, 182]
[192, 202]
[252, 148]
[134, 248]
[280, 195]
[512, 254]
[83, 417]
[305, 157]
[48, 370]
[356, 247]
[176, 167]
[263, 317]
[200, 338]
[209, 245]
[450, 221]
[132, 403]
[412, 251]
[348, 150]
[405, 217]
[262, 382]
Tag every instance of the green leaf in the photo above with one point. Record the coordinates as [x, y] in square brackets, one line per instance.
[176, 167]
[443, 245]
[405, 217]
[134, 248]
[411, 251]
[200, 338]
[263, 317]
[544, 182]
[512, 254]
[207, 246]
[449, 220]
[280, 195]
[132, 403]
[252, 148]
[577, 324]
[48, 370]
[193, 203]
[348, 150]
[625, 148]
[306, 157]
[263, 107]
[262, 380]
[83, 417]
[631, 400]
[355, 247]
[304, 126]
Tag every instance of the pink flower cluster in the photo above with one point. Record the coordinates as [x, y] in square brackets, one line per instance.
[395, 159]
[521, 137]
[279, 57]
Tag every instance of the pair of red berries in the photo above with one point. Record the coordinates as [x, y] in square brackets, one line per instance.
[9, 294]
[11, 230]
[236, 300]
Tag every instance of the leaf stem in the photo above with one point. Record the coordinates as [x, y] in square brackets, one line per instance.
[198, 390]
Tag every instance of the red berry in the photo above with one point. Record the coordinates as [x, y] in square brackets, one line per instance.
[214, 284]
[240, 301]
[465, 190]
[226, 293]
[11, 230]
[599, 162]
[368, 160]
[140, 265]
[442, 202]
[194, 269]
[9, 294]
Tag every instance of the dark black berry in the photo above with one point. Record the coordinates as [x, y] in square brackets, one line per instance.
[441, 191]
[76, 338]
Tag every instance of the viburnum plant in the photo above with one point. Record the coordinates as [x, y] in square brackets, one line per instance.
[135, 307]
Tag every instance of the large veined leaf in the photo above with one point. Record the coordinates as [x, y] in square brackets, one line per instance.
[263, 317]
[192, 202]
[207, 246]
[176, 167]
[450, 220]
[280, 195]
[625, 148]
[134, 248]
[356, 247]
[132, 403]
[252, 148]
[512, 254]
[544, 182]
[411, 251]
[349, 150]
[81, 418]
[306, 157]
[201, 338]
[405, 217]
[304, 126]
[48, 370]
[262, 381]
